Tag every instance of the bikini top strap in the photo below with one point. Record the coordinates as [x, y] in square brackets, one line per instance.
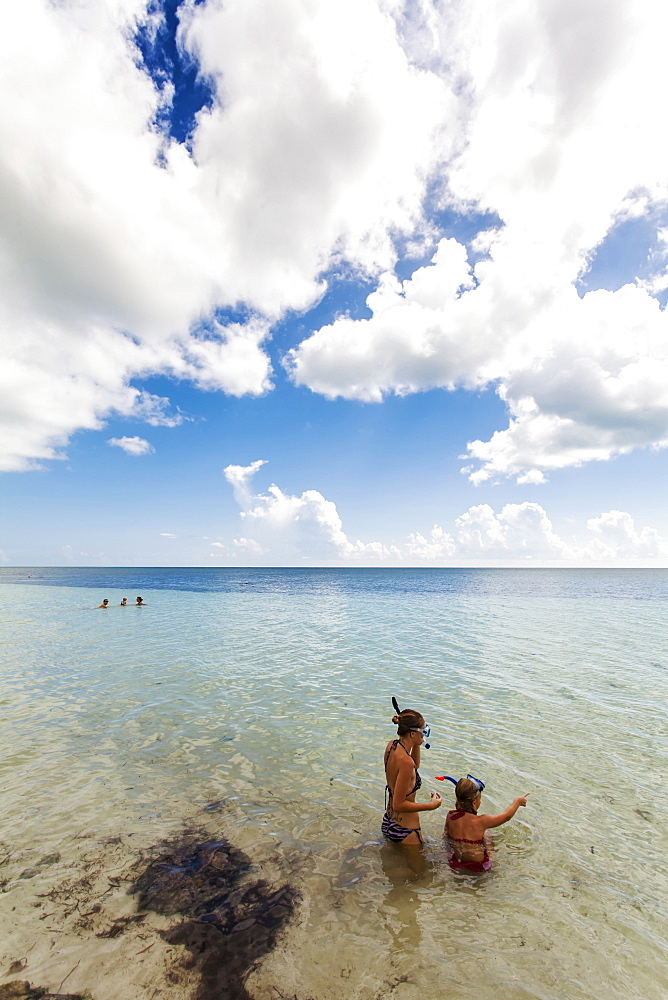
[456, 814]
[389, 750]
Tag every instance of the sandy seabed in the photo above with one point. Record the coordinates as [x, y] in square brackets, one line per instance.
[192, 917]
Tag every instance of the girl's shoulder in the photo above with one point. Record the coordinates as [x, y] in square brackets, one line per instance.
[403, 761]
[465, 821]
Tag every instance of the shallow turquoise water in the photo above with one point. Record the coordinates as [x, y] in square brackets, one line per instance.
[273, 697]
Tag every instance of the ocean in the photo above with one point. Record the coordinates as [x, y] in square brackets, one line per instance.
[242, 715]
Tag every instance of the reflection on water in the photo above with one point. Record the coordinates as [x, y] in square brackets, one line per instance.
[406, 868]
[262, 713]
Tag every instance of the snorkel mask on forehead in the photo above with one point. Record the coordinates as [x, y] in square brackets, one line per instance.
[425, 730]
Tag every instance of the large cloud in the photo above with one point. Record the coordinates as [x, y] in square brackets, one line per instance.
[561, 104]
[284, 529]
[329, 123]
[294, 528]
[616, 536]
[321, 140]
[118, 244]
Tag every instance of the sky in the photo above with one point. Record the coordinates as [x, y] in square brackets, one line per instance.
[365, 283]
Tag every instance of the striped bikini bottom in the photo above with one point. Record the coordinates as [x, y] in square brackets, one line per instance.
[395, 831]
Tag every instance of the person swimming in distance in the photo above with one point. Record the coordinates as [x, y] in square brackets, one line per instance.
[401, 822]
[124, 602]
[139, 603]
[466, 832]
[105, 603]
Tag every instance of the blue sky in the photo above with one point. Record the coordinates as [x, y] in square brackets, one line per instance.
[284, 285]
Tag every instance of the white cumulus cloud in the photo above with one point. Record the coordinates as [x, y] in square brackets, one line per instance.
[616, 536]
[519, 531]
[248, 545]
[132, 445]
[239, 477]
[118, 244]
[331, 127]
[558, 138]
[293, 528]
[285, 529]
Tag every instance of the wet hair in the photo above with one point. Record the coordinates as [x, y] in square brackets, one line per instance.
[407, 720]
[467, 792]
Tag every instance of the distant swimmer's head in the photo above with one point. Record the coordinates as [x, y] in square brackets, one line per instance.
[139, 600]
[124, 601]
[104, 603]
[468, 794]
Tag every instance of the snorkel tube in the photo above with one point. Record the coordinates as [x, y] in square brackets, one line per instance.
[425, 732]
[455, 781]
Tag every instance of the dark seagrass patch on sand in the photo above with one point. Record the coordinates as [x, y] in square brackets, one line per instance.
[19, 989]
[230, 922]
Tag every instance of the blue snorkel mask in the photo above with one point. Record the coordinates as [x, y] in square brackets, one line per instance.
[455, 781]
[426, 730]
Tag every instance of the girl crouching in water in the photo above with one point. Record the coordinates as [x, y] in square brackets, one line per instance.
[466, 831]
[401, 822]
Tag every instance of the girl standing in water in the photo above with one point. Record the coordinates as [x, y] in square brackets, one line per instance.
[466, 831]
[401, 822]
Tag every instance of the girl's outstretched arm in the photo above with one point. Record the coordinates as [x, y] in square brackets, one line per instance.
[487, 822]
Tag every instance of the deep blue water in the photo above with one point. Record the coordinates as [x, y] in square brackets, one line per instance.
[624, 584]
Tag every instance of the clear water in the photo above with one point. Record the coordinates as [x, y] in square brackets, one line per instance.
[268, 691]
